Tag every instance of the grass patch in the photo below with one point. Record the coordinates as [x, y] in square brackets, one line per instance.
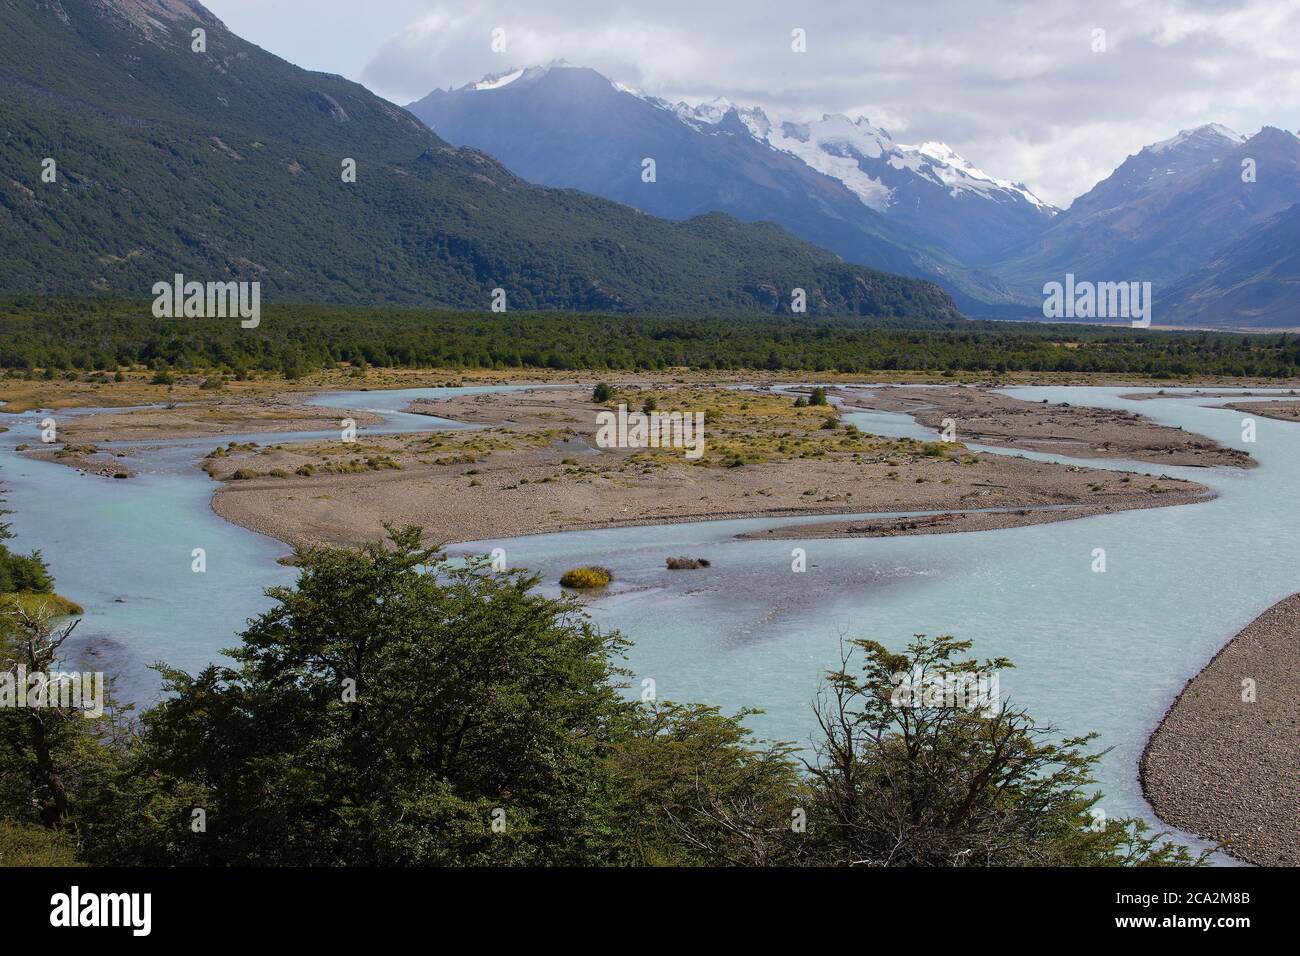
[30, 845]
[55, 605]
[591, 576]
[744, 427]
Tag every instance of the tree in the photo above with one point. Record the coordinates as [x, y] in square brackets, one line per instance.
[61, 756]
[24, 573]
[395, 708]
[696, 789]
[926, 779]
[398, 708]
[33, 734]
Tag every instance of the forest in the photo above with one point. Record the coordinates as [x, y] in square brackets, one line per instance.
[40, 335]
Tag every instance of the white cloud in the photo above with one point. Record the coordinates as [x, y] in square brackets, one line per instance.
[1013, 85]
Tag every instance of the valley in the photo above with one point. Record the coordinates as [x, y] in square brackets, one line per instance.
[634, 457]
[524, 432]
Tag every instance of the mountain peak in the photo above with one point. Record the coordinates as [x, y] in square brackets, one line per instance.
[1213, 134]
[830, 178]
[710, 111]
[529, 74]
[1273, 135]
[449, 225]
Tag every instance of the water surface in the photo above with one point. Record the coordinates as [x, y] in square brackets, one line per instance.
[1104, 652]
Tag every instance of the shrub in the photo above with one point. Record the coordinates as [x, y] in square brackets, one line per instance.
[26, 844]
[590, 576]
[24, 572]
[817, 396]
[601, 393]
[687, 564]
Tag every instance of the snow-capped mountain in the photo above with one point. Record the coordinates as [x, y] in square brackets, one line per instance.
[925, 186]
[844, 184]
[1201, 137]
[862, 156]
[1166, 211]
[1163, 165]
[922, 210]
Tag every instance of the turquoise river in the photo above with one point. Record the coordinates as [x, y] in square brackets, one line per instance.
[1104, 652]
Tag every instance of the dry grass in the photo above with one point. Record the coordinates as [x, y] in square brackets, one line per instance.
[21, 395]
[591, 576]
[51, 605]
[747, 428]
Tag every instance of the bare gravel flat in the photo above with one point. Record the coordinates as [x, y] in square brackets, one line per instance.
[988, 418]
[1228, 768]
[565, 483]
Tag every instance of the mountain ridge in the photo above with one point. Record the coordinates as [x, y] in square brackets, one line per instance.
[573, 127]
[1165, 211]
[225, 164]
[1252, 283]
[1169, 210]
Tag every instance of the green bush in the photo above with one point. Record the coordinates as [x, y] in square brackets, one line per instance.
[24, 573]
[26, 844]
[591, 576]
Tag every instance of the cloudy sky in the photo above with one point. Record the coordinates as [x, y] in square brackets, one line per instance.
[1028, 90]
